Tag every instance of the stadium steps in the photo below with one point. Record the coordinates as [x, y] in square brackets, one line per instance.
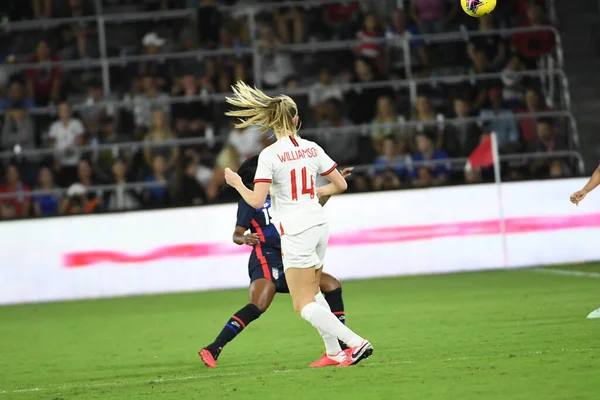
[579, 26]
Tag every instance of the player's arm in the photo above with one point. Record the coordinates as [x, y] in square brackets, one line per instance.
[337, 185]
[255, 198]
[262, 182]
[240, 237]
[591, 185]
[346, 172]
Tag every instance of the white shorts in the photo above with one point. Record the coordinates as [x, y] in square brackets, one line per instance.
[306, 249]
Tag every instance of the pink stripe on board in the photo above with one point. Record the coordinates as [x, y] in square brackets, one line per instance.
[361, 237]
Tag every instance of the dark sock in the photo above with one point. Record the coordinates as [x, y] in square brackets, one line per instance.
[336, 303]
[233, 327]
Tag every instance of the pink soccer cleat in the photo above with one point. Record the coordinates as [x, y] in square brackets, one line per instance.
[329, 361]
[207, 358]
[357, 354]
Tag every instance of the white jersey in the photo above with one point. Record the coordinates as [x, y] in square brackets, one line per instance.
[291, 164]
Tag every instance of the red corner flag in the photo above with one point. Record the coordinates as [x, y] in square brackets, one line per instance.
[483, 155]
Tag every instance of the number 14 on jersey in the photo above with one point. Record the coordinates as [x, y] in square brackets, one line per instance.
[306, 189]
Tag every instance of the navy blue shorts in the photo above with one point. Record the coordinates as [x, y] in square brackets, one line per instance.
[265, 262]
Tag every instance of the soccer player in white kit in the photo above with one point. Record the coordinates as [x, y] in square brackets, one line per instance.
[288, 169]
[576, 198]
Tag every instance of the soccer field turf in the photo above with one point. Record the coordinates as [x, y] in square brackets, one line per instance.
[491, 335]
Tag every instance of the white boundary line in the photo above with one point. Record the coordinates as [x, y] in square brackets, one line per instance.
[242, 373]
[565, 272]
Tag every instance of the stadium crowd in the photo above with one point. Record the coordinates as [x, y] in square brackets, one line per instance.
[399, 144]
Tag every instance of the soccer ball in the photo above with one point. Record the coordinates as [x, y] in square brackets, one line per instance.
[478, 8]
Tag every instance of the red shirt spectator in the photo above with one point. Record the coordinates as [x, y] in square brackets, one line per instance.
[43, 82]
[522, 5]
[341, 12]
[532, 45]
[22, 200]
[369, 35]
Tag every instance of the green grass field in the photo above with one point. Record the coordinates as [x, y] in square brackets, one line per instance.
[491, 335]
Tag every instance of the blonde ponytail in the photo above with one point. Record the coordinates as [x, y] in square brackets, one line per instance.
[256, 108]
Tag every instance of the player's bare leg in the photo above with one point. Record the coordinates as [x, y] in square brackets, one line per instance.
[261, 293]
[302, 283]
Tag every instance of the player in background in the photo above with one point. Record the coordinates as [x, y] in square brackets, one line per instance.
[576, 198]
[287, 170]
[265, 269]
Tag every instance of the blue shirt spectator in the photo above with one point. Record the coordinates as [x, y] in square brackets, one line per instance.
[45, 205]
[429, 171]
[391, 160]
[506, 128]
[16, 94]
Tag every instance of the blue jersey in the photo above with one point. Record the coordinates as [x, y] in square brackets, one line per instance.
[259, 222]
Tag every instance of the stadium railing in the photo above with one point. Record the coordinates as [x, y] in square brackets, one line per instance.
[546, 65]
[573, 136]
[364, 129]
[456, 164]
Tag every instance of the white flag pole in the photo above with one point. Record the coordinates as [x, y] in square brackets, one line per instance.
[498, 181]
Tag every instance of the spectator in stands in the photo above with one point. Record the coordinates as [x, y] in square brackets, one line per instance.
[110, 134]
[42, 9]
[76, 37]
[191, 190]
[192, 117]
[324, 90]
[461, 137]
[426, 119]
[66, 135]
[44, 82]
[209, 21]
[246, 142]
[150, 99]
[371, 46]
[360, 183]
[386, 114]
[340, 19]
[289, 19]
[95, 112]
[18, 131]
[546, 143]
[159, 195]
[159, 69]
[121, 199]
[341, 146]
[276, 65]
[45, 205]
[241, 73]
[532, 45]
[21, 201]
[85, 174]
[501, 121]
[78, 201]
[388, 180]
[398, 28]
[479, 91]
[188, 41]
[493, 45]
[431, 15]
[76, 9]
[528, 125]
[523, 6]
[429, 169]
[160, 132]
[362, 101]
[512, 92]
[16, 93]
[394, 157]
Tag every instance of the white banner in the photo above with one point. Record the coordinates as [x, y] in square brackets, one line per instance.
[372, 235]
